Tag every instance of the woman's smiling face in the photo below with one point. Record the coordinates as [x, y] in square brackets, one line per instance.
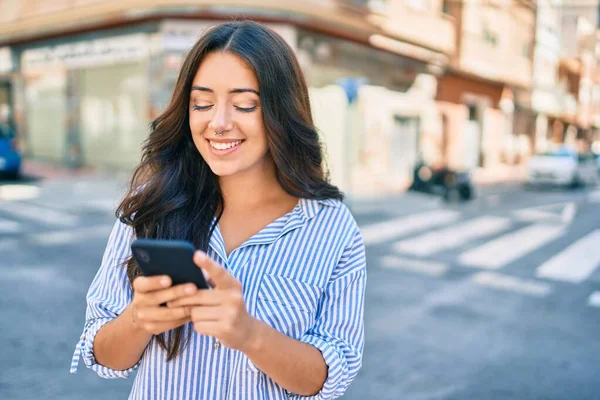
[226, 116]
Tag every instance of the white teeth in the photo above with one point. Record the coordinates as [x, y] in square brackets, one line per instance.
[224, 146]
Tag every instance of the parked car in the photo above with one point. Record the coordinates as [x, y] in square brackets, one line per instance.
[10, 157]
[563, 167]
[442, 181]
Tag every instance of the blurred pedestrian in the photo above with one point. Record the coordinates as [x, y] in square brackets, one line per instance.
[233, 165]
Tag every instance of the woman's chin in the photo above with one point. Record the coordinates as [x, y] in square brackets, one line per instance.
[223, 170]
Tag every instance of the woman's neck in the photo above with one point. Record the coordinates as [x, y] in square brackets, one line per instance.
[251, 188]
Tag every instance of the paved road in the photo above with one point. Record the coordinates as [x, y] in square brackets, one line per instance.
[495, 299]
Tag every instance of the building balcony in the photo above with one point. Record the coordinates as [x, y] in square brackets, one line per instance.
[23, 20]
[500, 64]
[429, 28]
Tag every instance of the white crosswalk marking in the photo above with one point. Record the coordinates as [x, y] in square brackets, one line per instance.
[512, 283]
[380, 232]
[594, 299]
[576, 262]
[7, 226]
[38, 214]
[452, 237]
[510, 247]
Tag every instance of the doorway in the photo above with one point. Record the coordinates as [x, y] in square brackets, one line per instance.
[404, 147]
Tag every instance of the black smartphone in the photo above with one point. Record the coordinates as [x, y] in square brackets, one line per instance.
[174, 258]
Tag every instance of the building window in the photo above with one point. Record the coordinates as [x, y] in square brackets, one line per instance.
[446, 7]
[472, 112]
[490, 37]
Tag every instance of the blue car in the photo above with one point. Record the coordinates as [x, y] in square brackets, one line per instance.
[10, 157]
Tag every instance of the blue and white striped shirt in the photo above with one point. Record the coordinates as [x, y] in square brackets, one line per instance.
[304, 275]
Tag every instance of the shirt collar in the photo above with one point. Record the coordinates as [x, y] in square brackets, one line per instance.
[305, 210]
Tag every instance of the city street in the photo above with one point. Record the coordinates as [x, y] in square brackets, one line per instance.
[498, 298]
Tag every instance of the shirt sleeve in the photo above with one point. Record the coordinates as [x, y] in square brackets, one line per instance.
[109, 294]
[339, 329]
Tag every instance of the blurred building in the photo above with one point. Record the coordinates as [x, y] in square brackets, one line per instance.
[578, 76]
[485, 95]
[85, 77]
[469, 84]
[552, 102]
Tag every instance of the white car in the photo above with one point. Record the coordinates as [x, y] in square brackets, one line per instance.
[563, 168]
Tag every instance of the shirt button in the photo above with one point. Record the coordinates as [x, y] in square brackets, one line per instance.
[217, 345]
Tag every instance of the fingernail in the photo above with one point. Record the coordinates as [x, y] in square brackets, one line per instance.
[164, 282]
[190, 289]
[200, 255]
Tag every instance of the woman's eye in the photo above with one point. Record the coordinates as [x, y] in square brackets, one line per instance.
[201, 108]
[245, 109]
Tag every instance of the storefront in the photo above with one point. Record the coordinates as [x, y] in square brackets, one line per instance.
[378, 138]
[477, 118]
[86, 101]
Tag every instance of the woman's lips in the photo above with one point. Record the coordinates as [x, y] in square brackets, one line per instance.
[222, 148]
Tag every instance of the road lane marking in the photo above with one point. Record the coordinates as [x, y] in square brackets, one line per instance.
[562, 212]
[8, 226]
[36, 213]
[510, 247]
[429, 268]
[383, 231]
[512, 284]
[575, 263]
[452, 237]
[594, 300]
[19, 192]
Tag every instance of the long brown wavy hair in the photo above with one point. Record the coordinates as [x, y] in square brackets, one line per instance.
[174, 194]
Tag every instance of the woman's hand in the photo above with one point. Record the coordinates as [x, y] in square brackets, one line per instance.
[148, 295]
[220, 312]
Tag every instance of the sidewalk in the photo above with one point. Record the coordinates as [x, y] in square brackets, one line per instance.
[51, 171]
[45, 170]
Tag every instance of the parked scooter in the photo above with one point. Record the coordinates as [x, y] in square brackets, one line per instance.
[442, 181]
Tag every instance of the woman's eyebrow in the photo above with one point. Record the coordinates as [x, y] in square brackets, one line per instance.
[237, 90]
[244, 90]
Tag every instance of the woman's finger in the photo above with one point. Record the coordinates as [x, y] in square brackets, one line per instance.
[172, 293]
[206, 313]
[163, 314]
[201, 298]
[218, 275]
[146, 284]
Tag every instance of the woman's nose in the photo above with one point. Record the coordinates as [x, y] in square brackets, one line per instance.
[221, 120]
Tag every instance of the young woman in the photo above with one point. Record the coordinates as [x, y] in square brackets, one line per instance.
[234, 166]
